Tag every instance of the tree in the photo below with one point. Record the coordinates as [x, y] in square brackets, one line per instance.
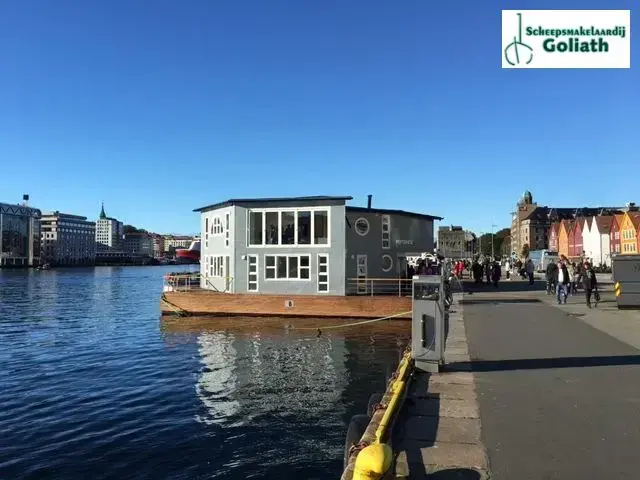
[525, 250]
[498, 238]
[132, 229]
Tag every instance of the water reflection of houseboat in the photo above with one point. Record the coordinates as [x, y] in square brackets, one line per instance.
[247, 375]
[304, 256]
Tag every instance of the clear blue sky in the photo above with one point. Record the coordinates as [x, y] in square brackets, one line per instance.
[157, 107]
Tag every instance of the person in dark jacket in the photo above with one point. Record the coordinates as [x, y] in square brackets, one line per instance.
[551, 276]
[562, 283]
[590, 284]
[496, 273]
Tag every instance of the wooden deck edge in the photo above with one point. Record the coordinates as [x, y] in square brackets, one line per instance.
[171, 313]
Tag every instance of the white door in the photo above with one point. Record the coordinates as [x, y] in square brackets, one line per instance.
[361, 274]
[252, 273]
[227, 274]
[323, 273]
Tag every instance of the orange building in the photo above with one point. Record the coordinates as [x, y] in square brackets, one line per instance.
[629, 229]
[563, 237]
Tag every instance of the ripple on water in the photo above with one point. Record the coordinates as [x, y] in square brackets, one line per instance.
[92, 388]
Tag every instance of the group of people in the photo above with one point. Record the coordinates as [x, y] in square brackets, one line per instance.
[491, 270]
[565, 277]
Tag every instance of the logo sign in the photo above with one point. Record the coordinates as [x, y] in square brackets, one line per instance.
[566, 39]
[404, 242]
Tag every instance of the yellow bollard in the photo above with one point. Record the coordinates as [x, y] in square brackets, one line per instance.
[373, 462]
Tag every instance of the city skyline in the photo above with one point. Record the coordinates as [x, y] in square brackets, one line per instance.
[192, 105]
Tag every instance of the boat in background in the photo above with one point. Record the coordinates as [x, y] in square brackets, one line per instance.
[189, 255]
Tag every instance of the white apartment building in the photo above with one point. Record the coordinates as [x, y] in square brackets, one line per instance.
[67, 239]
[109, 233]
[172, 242]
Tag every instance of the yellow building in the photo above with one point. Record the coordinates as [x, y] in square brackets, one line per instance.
[563, 238]
[629, 232]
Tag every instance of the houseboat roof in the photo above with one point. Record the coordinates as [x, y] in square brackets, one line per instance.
[236, 201]
[319, 199]
[385, 211]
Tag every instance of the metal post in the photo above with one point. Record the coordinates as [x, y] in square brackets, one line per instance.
[399, 287]
[493, 256]
[372, 288]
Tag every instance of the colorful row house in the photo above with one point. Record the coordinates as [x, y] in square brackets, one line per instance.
[630, 233]
[598, 237]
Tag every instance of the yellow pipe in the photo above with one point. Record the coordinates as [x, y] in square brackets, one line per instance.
[373, 462]
[397, 388]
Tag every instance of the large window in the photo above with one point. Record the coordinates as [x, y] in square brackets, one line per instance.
[289, 227]
[256, 228]
[271, 228]
[286, 267]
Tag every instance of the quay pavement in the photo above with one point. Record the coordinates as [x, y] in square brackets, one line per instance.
[530, 390]
[558, 386]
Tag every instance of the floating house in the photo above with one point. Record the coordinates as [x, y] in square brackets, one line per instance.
[314, 247]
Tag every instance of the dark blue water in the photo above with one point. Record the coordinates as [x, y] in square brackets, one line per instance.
[94, 384]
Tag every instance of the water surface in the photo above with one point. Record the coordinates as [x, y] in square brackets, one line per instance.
[94, 384]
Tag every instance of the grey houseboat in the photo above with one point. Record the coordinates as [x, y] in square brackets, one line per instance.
[307, 245]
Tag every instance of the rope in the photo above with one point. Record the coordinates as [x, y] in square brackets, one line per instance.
[345, 325]
[175, 308]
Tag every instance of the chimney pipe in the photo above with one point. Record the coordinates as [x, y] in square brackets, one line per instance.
[369, 201]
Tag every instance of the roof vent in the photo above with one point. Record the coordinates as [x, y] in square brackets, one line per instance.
[369, 201]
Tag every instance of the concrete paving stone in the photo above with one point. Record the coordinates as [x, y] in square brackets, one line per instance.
[452, 377]
[455, 408]
[457, 351]
[457, 357]
[443, 456]
[443, 429]
[445, 390]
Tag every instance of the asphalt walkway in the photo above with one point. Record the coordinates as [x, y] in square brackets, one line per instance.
[558, 397]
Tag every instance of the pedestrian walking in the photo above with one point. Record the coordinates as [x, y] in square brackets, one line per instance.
[563, 282]
[590, 284]
[551, 276]
[530, 268]
[496, 273]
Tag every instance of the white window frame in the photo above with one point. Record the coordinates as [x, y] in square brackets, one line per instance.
[217, 228]
[318, 272]
[256, 264]
[287, 279]
[227, 225]
[295, 243]
[386, 255]
[361, 279]
[217, 266]
[386, 233]
[361, 219]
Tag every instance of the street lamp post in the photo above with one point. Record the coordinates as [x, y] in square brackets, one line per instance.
[492, 242]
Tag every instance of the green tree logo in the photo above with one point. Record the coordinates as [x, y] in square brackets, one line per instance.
[516, 52]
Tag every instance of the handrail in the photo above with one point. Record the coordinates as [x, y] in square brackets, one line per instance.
[362, 279]
[378, 286]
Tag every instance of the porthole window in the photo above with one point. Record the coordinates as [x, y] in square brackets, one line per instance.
[387, 263]
[362, 226]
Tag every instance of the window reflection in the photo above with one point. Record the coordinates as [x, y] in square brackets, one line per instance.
[15, 235]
